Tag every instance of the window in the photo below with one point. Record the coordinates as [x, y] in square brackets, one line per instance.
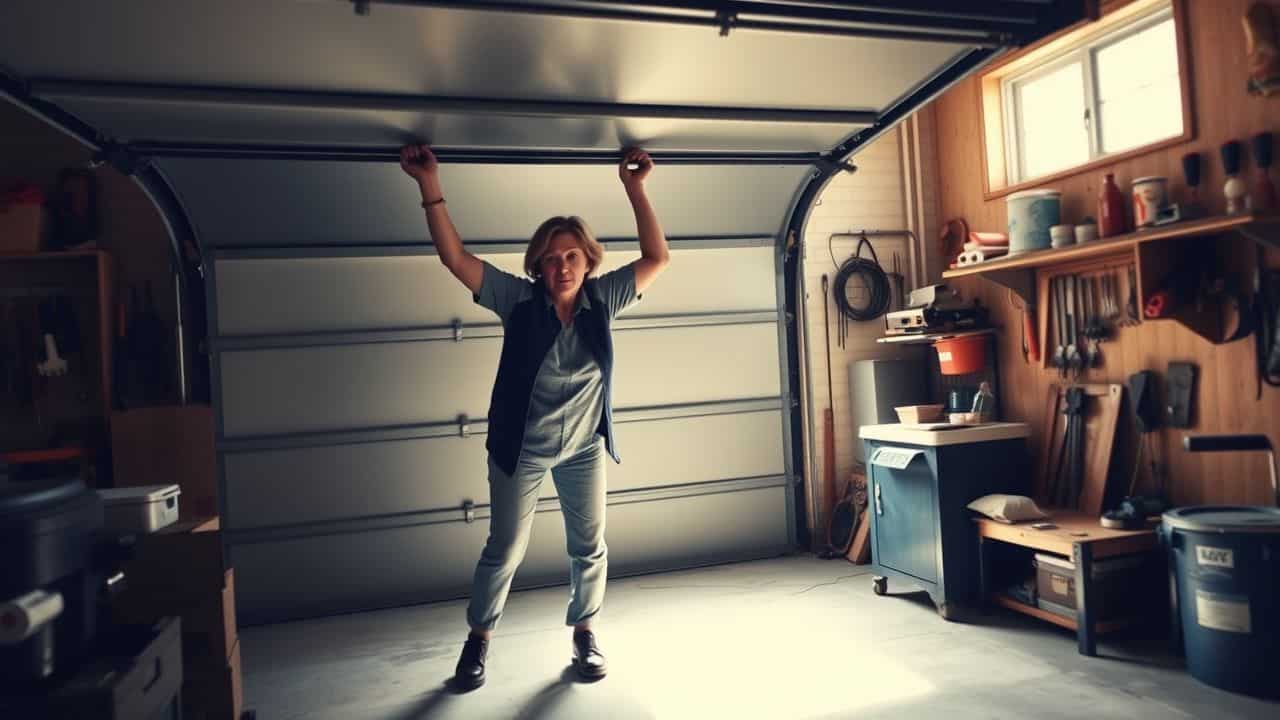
[1115, 92]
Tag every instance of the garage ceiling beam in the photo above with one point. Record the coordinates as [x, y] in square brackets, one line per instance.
[239, 151]
[381, 102]
[1002, 23]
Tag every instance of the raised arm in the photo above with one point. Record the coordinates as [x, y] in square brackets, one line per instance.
[653, 243]
[419, 163]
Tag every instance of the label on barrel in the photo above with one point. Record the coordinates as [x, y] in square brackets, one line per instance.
[1229, 613]
[1217, 557]
[944, 356]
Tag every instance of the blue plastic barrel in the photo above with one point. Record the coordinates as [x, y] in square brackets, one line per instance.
[1226, 562]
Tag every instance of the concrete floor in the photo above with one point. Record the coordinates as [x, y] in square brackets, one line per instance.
[791, 637]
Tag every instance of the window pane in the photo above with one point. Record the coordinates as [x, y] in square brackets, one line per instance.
[1053, 133]
[1139, 95]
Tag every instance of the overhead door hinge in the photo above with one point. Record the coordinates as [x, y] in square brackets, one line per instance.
[457, 330]
[464, 426]
[468, 511]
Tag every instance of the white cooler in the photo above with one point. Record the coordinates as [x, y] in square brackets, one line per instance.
[143, 509]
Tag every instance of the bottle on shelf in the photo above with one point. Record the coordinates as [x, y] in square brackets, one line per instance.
[1111, 213]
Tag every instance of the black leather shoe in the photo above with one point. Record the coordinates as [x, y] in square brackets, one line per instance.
[469, 674]
[587, 658]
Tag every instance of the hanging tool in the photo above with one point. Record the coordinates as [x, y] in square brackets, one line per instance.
[1069, 478]
[1060, 324]
[53, 363]
[1094, 330]
[1075, 361]
[828, 417]
[1031, 339]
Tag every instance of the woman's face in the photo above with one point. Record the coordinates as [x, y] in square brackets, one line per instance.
[563, 266]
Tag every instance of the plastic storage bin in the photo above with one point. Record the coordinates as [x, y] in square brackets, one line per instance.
[144, 509]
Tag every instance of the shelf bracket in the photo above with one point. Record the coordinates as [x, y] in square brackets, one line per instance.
[1020, 281]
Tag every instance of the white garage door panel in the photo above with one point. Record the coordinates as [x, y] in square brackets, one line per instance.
[238, 202]
[385, 478]
[337, 294]
[413, 564]
[355, 481]
[697, 449]
[356, 386]
[706, 281]
[669, 366]
[268, 392]
[333, 294]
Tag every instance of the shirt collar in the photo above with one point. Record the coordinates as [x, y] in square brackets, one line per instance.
[582, 303]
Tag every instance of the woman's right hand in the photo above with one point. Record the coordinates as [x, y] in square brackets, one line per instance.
[418, 162]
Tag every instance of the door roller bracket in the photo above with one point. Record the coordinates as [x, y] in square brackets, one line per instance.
[726, 19]
[828, 163]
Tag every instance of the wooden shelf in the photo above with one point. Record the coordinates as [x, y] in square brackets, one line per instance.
[1252, 225]
[1101, 628]
[1153, 252]
[930, 338]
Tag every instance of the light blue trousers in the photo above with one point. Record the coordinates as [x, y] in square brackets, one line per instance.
[580, 484]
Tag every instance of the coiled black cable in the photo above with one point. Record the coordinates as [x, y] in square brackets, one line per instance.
[873, 277]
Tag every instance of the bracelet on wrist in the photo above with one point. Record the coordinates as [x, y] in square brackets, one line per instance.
[428, 203]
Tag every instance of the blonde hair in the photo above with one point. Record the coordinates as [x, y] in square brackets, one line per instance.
[541, 239]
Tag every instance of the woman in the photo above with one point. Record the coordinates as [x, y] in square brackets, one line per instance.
[550, 409]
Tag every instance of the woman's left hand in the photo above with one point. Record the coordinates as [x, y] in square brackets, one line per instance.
[642, 161]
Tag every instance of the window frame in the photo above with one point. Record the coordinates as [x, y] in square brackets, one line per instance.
[1085, 54]
[1119, 20]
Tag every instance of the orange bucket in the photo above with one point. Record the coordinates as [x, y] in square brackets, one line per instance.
[962, 355]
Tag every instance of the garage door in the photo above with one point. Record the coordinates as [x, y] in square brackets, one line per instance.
[351, 375]
[354, 375]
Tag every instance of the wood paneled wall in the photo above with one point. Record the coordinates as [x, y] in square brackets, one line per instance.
[1225, 399]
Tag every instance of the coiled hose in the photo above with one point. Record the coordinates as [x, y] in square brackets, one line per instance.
[873, 278]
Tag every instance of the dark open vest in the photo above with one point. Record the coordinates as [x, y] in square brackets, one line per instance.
[531, 331]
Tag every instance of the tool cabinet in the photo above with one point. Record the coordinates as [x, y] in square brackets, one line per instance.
[919, 482]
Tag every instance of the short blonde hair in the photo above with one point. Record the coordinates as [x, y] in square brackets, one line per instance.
[541, 239]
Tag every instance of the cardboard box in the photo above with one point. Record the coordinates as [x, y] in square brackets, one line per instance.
[213, 691]
[1117, 583]
[184, 559]
[168, 445]
[21, 228]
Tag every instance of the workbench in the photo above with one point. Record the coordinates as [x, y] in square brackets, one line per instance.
[1079, 537]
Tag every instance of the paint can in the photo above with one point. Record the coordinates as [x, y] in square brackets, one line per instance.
[1150, 195]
